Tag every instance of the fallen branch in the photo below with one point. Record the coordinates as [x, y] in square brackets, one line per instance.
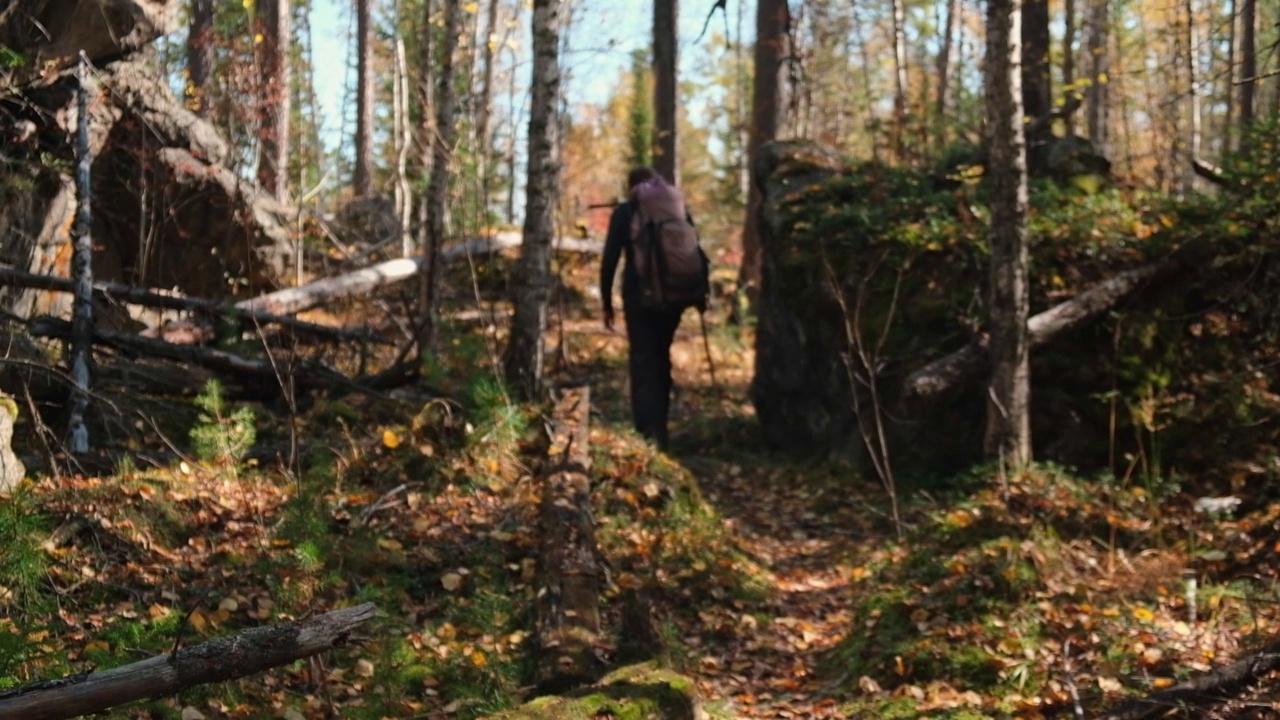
[219, 660]
[972, 361]
[1209, 171]
[306, 374]
[1212, 686]
[167, 300]
[366, 280]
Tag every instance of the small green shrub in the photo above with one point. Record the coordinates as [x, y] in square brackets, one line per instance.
[222, 436]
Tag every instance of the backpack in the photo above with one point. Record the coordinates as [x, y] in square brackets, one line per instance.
[672, 268]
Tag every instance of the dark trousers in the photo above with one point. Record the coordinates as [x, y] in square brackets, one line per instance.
[649, 335]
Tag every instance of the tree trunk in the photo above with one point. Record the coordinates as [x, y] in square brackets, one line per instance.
[1248, 63]
[80, 349]
[362, 180]
[773, 44]
[1069, 60]
[275, 97]
[1193, 80]
[200, 57]
[1096, 101]
[1036, 91]
[524, 354]
[484, 134]
[1008, 434]
[944, 66]
[1228, 124]
[666, 16]
[898, 16]
[438, 191]
[426, 110]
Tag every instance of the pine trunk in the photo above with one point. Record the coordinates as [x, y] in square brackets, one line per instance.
[773, 18]
[1096, 101]
[362, 181]
[666, 15]
[275, 97]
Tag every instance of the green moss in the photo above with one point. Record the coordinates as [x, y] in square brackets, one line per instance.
[636, 692]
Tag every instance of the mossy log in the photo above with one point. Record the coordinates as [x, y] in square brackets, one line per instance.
[635, 692]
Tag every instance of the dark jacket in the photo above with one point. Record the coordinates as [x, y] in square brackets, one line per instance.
[616, 243]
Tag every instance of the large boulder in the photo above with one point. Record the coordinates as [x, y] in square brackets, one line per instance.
[166, 211]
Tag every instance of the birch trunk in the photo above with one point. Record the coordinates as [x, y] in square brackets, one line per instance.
[523, 362]
[80, 348]
[1008, 434]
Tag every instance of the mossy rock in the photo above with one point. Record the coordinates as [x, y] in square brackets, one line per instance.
[635, 692]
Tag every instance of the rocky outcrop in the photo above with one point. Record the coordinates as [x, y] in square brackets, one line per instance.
[166, 211]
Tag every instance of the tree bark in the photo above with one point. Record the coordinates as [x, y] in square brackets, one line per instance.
[80, 348]
[1096, 104]
[484, 113]
[1069, 59]
[426, 113]
[438, 191]
[944, 67]
[1008, 434]
[362, 180]
[773, 43]
[666, 18]
[523, 363]
[226, 658]
[1037, 93]
[275, 97]
[898, 27]
[568, 581]
[200, 56]
[1248, 64]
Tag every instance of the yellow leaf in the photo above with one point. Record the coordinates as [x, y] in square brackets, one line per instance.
[471, 7]
[157, 611]
[199, 621]
[478, 659]
[1143, 614]
[1109, 685]
[257, 39]
[451, 581]
[390, 544]
[1161, 682]
[229, 604]
[364, 668]
[390, 439]
[1102, 78]
[98, 645]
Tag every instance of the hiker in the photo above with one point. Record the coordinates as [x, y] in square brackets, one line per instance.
[665, 272]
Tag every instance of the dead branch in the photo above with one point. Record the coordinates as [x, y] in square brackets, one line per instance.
[168, 300]
[1210, 688]
[971, 361]
[219, 660]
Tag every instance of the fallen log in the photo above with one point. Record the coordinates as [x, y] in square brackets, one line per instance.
[972, 361]
[568, 580]
[366, 280]
[1210, 688]
[306, 374]
[219, 660]
[169, 300]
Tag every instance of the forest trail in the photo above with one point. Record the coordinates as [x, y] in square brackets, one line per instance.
[808, 529]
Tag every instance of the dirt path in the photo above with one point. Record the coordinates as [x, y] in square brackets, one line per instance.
[805, 528]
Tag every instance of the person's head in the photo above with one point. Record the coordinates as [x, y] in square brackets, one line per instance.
[644, 173]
